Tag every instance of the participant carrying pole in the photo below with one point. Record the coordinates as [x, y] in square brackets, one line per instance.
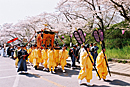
[99, 37]
[79, 36]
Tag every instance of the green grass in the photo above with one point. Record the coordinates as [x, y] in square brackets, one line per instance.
[123, 53]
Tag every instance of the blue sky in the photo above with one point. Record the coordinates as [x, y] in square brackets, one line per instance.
[13, 10]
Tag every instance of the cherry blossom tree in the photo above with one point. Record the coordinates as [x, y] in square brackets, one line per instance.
[95, 13]
[70, 14]
[123, 6]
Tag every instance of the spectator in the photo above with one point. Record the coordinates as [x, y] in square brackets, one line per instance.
[72, 53]
[0, 49]
[9, 51]
[95, 53]
[92, 49]
[77, 52]
[4, 50]
[12, 51]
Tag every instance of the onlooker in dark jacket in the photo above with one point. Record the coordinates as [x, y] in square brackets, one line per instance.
[73, 54]
[12, 51]
[9, 51]
[95, 53]
[77, 52]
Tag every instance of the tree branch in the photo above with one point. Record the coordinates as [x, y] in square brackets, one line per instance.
[124, 14]
[67, 17]
[78, 16]
[111, 19]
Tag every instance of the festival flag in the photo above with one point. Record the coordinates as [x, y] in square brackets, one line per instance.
[10, 41]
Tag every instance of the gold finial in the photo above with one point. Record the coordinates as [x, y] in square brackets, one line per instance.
[100, 42]
[76, 29]
[45, 24]
[96, 29]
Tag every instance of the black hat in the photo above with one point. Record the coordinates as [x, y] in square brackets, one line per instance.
[95, 43]
[86, 46]
[46, 48]
[38, 32]
[18, 44]
[35, 45]
[30, 45]
[91, 44]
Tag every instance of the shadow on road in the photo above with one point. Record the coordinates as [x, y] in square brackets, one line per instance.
[84, 84]
[118, 83]
[69, 72]
[29, 75]
[99, 86]
[114, 82]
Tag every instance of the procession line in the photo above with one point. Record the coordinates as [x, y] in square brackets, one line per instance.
[47, 80]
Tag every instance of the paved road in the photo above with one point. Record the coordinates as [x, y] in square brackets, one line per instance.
[39, 78]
